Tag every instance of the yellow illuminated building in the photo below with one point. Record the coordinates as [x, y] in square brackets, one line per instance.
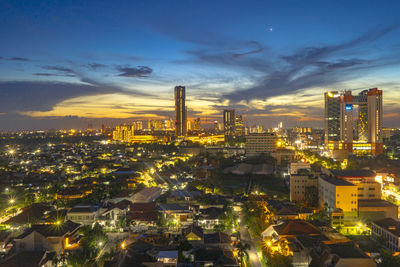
[210, 140]
[123, 133]
[337, 194]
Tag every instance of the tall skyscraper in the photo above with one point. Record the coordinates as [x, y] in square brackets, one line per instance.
[229, 122]
[362, 136]
[197, 124]
[332, 116]
[180, 111]
[239, 125]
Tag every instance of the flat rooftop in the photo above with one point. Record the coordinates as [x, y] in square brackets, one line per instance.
[390, 225]
[353, 173]
[336, 181]
[374, 203]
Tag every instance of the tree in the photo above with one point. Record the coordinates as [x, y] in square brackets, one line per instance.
[312, 196]
[386, 259]
[242, 249]
[278, 260]
[92, 241]
[321, 215]
[256, 216]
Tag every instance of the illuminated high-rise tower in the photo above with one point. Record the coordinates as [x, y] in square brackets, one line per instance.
[340, 134]
[229, 122]
[180, 111]
[239, 125]
[197, 124]
[332, 116]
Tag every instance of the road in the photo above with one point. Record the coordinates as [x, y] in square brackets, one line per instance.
[113, 238]
[387, 192]
[246, 238]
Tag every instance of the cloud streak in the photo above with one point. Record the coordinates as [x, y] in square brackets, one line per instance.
[134, 72]
[58, 71]
[311, 67]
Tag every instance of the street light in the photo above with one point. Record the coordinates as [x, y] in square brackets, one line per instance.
[11, 201]
[100, 244]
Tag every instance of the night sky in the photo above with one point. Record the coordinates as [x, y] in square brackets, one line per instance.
[64, 64]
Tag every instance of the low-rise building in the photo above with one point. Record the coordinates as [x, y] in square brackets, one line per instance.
[147, 195]
[194, 234]
[169, 258]
[143, 215]
[387, 232]
[294, 167]
[29, 258]
[258, 143]
[299, 184]
[84, 214]
[209, 217]
[181, 214]
[47, 237]
[337, 194]
[344, 254]
[376, 209]
[115, 212]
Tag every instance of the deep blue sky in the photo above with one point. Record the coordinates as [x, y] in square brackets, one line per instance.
[66, 63]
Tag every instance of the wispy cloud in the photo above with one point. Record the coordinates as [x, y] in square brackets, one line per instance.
[15, 58]
[18, 58]
[258, 49]
[59, 71]
[95, 66]
[314, 66]
[134, 72]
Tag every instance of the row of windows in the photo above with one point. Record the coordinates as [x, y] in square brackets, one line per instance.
[370, 188]
[352, 202]
[79, 217]
[353, 195]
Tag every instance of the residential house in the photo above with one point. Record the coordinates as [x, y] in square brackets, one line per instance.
[345, 254]
[219, 240]
[84, 214]
[112, 214]
[147, 195]
[30, 214]
[124, 195]
[181, 214]
[169, 258]
[281, 235]
[288, 211]
[29, 258]
[209, 217]
[214, 257]
[73, 193]
[143, 214]
[47, 237]
[194, 234]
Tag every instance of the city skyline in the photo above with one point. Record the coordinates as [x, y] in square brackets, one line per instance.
[114, 63]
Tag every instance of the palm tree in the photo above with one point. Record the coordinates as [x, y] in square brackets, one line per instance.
[242, 251]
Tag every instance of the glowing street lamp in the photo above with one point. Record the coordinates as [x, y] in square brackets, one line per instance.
[11, 201]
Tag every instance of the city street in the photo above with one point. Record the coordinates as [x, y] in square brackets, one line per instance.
[245, 237]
